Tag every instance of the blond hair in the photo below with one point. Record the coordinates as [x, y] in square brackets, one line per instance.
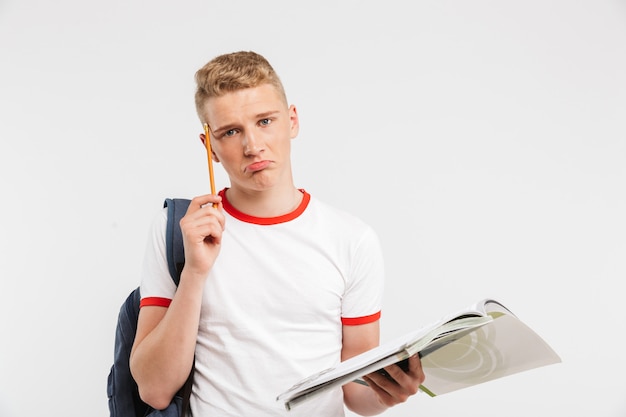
[232, 72]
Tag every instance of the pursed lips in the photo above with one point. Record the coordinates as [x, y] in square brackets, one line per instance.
[257, 166]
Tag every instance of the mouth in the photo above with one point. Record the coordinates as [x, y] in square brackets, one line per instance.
[257, 166]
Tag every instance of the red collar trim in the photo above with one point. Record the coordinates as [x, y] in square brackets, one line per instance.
[265, 221]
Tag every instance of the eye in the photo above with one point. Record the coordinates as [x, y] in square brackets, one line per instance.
[265, 122]
[229, 133]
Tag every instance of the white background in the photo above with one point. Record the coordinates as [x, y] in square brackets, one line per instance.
[484, 140]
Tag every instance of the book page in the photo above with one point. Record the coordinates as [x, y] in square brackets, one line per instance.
[500, 348]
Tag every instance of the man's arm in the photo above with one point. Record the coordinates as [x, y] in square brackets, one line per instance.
[382, 392]
[164, 347]
[163, 351]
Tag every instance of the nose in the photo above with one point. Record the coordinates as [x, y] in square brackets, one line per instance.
[252, 144]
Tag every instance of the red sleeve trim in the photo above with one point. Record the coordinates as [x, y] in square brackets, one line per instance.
[155, 301]
[355, 321]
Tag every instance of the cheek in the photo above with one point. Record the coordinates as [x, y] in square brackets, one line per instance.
[226, 153]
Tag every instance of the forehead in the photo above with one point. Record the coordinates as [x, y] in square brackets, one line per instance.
[246, 102]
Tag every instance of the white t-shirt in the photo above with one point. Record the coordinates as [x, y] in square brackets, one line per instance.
[274, 304]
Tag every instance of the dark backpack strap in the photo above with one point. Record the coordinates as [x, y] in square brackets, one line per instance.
[176, 209]
[186, 391]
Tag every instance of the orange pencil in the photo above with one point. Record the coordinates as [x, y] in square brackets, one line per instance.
[207, 142]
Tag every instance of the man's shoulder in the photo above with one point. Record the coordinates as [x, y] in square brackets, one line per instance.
[339, 217]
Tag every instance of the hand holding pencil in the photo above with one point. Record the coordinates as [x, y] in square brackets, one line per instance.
[203, 225]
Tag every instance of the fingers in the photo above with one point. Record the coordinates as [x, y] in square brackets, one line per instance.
[202, 228]
[202, 201]
[203, 222]
[415, 367]
[393, 384]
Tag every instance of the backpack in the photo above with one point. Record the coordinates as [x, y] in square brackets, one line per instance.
[122, 389]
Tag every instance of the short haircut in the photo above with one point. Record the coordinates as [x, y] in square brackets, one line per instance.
[232, 72]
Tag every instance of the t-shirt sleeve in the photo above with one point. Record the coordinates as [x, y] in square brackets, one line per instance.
[157, 286]
[362, 301]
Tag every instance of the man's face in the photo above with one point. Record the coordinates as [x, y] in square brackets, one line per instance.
[251, 132]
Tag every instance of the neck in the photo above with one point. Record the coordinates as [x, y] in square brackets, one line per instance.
[266, 203]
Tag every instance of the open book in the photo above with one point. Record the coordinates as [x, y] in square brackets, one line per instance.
[483, 342]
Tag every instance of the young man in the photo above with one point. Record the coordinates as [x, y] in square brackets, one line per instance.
[276, 285]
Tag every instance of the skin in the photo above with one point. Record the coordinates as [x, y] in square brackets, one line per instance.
[251, 132]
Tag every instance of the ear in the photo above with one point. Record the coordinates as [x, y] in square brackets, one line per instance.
[203, 140]
[294, 122]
